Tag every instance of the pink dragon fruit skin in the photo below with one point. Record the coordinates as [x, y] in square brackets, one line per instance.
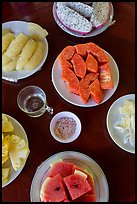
[101, 12]
[62, 9]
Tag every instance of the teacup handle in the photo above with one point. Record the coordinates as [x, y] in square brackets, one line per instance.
[49, 109]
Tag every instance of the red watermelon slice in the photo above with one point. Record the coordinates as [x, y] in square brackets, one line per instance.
[77, 185]
[53, 190]
[63, 168]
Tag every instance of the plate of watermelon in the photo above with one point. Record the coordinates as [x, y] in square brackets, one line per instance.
[83, 19]
[85, 75]
[69, 177]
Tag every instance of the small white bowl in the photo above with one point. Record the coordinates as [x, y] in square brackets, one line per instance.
[65, 114]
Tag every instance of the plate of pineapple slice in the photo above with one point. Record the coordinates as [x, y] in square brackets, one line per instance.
[15, 149]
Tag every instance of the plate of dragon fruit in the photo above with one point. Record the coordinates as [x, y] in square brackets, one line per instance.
[85, 75]
[69, 177]
[83, 19]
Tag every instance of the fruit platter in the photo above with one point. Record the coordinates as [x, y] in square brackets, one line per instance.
[15, 149]
[120, 122]
[24, 49]
[69, 177]
[89, 18]
[85, 75]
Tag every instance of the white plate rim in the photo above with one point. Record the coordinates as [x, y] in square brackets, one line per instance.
[114, 69]
[128, 96]
[27, 73]
[23, 136]
[92, 33]
[72, 154]
[66, 114]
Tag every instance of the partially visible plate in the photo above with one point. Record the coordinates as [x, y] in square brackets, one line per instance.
[18, 27]
[113, 116]
[74, 99]
[83, 161]
[19, 131]
[92, 33]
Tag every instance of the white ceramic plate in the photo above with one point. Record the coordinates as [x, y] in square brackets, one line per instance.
[74, 99]
[65, 114]
[92, 33]
[18, 27]
[19, 131]
[81, 160]
[113, 116]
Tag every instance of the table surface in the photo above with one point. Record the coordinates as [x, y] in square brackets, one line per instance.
[94, 141]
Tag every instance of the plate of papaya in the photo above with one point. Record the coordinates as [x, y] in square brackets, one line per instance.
[69, 176]
[83, 19]
[85, 75]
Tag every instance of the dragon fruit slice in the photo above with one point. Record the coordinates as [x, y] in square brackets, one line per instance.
[73, 20]
[83, 9]
[101, 11]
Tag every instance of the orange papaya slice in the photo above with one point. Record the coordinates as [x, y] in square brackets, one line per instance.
[97, 52]
[81, 49]
[73, 82]
[79, 65]
[65, 64]
[91, 64]
[67, 53]
[105, 77]
[84, 83]
[95, 91]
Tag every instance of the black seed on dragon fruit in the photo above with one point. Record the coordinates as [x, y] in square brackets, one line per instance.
[72, 19]
[100, 15]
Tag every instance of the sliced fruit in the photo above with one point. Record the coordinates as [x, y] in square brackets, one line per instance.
[36, 58]
[26, 53]
[105, 77]
[6, 124]
[79, 65]
[5, 59]
[80, 173]
[84, 83]
[11, 65]
[5, 175]
[63, 168]
[6, 40]
[16, 45]
[100, 15]
[18, 152]
[87, 197]
[5, 31]
[72, 19]
[66, 64]
[53, 190]
[81, 49]
[36, 31]
[73, 82]
[97, 52]
[5, 149]
[76, 185]
[96, 92]
[91, 64]
[91, 182]
[67, 53]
